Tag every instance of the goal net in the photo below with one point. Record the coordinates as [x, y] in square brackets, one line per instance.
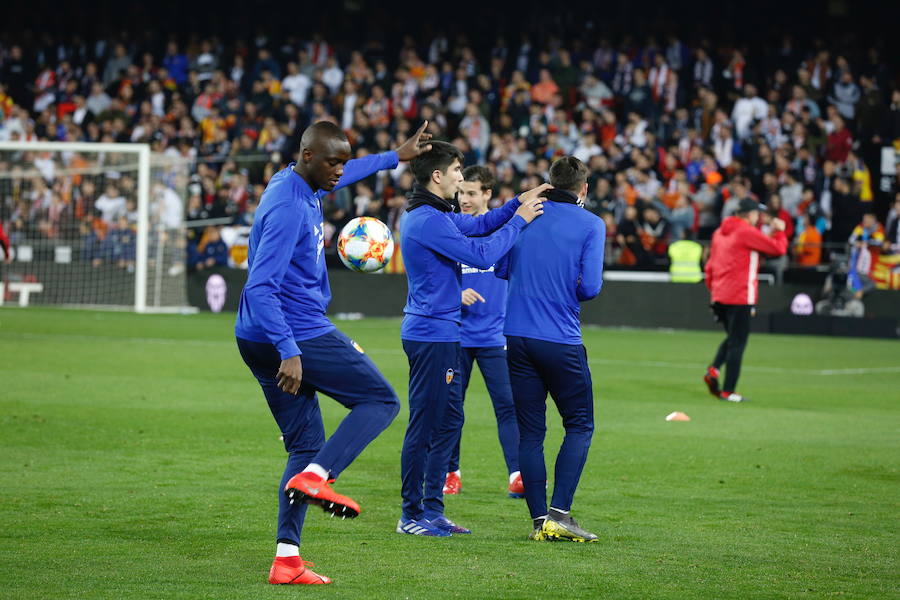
[93, 225]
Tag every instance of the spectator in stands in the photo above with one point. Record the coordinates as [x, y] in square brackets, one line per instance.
[209, 252]
[98, 101]
[869, 232]
[892, 235]
[723, 146]
[684, 137]
[476, 130]
[91, 240]
[777, 210]
[839, 141]
[628, 237]
[791, 195]
[747, 110]
[654, 233]
[117, 65]
[111, 204]
[845, 211]
[595, 92]
[845, 95]
[176, 64]
[120, 244]
[545, 89]
[808, 247]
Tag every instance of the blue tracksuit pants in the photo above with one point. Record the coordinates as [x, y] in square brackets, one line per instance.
[435, 416]
[335, 366]
[537, 367]
[492, 364]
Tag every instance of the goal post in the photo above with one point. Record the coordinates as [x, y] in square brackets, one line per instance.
[94, 225]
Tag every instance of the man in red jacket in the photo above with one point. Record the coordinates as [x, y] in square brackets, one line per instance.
[731, 276]
[4, 244]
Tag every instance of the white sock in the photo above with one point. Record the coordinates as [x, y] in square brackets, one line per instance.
[458, 473]
[513, 475]
[287, 550]
[317, 469]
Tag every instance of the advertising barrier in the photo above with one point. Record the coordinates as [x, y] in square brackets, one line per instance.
[645, 304]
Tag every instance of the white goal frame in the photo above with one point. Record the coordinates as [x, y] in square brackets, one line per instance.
[142, 153]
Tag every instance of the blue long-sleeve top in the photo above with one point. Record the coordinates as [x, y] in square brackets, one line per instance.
[482, 322]
[433, 242]
[287, 289]
[555, 264]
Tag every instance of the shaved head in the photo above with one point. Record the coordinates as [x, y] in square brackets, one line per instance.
[324, 150]
[321, 132]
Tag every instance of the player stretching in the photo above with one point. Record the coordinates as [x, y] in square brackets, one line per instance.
[483, 311]
[282, 317]
[434, 242]
[555, 264]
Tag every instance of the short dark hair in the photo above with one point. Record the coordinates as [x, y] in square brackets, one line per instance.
[438, 158]
[480, 174]
[568, 173]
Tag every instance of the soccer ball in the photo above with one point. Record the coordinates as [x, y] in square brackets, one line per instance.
[365, 244]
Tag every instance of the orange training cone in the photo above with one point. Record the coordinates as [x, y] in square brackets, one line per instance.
[677, 416]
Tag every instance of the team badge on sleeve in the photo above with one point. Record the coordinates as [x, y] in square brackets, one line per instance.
[449, 376]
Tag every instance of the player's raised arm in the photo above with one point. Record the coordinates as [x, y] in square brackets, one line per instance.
[493, 220]
[441, 236]
[360, 168]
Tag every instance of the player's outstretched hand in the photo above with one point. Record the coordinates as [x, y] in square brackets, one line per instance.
[470, 297]
[415, 145]
[290, 373]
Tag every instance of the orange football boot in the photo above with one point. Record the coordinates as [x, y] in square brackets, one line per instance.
[312, 489]
[294, 570]
[453, 484]
[517, 488]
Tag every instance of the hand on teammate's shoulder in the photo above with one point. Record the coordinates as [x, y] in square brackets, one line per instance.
[532, 205]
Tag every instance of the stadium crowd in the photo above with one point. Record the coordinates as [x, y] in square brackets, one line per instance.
[675, 133]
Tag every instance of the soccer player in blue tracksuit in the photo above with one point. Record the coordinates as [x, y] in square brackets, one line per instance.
[282, 317]
[481, 334]
[555, 264]
[433, 242]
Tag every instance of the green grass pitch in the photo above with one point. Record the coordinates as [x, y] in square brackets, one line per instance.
[138, 460]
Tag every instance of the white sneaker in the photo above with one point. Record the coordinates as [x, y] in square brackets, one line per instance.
[732, 397]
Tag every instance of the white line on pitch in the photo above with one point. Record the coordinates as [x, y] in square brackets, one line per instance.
[399, 351]
[693, 366]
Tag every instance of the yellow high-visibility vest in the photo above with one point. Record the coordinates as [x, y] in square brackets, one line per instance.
[685, 256]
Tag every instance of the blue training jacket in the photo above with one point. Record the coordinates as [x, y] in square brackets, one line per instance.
[433, 242]
[287, 289]
[555, 264]
[482, 322]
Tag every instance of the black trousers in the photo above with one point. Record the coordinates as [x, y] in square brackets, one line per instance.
[736, 320]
